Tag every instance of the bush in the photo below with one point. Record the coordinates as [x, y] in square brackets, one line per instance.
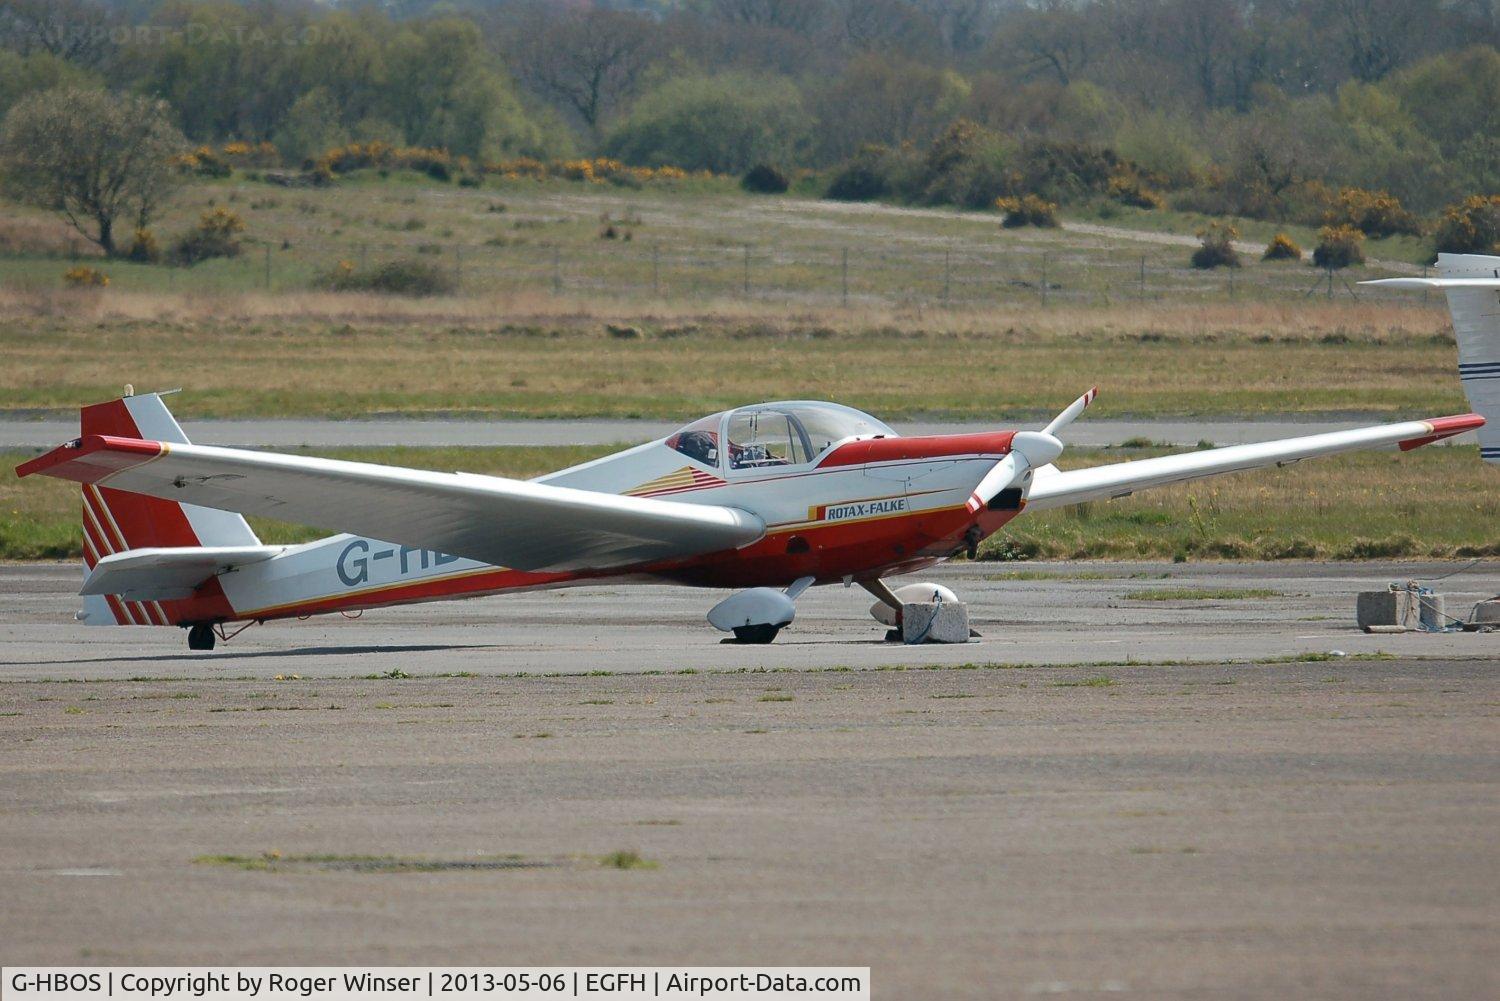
[965, 165]
[1065, 170]
[143, 248]
[764, 179]
[214, 236]
[1282, 248]
[400, 277]
[1217, 249]
[1339, 247]
[856, 182]
[83, 276]
[204, 162]
[1128, 189]
[1374, 213]
[1028, 210]
[1471, 226]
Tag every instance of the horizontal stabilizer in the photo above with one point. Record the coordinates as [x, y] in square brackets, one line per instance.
[167, 574]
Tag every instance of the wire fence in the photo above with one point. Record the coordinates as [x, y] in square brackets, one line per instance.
[931, 273]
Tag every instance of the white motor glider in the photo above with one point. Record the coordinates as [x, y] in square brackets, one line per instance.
[770, 498]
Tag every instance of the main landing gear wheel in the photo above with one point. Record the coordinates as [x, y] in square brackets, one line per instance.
[761, 633]
[201, 637]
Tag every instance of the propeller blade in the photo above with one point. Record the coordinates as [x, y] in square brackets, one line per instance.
[1069, 415]
[1001, 475]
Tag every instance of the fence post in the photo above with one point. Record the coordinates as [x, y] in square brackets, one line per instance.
[1231, 283]
[947, 275]
[1044, 279]
[845, 289]
[268, 267]
[747, 270]
[556, 271]
[655, 269]
[458, 266]
[1143, 278]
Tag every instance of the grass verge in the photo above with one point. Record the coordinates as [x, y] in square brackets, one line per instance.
[1432, 503]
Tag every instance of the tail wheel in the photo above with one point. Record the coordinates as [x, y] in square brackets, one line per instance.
[201, 637]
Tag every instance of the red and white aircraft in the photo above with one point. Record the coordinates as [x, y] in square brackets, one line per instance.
[770, 498]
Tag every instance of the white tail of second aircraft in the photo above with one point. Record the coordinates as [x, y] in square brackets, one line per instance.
[1471, 283]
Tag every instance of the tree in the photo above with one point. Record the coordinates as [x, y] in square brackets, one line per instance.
[311, 127]
[92, 156]
[589, 60]
[885, 101]
[726, 124]
[75, 30]
[1055, 38]
[1378, 35]
[440, 90]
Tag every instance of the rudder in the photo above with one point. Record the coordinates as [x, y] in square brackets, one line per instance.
[115, 521]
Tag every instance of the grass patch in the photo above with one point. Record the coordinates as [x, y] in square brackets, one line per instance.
[1097, 681]
[277, 862]
[1053, 575]
[627, 860]
[1201, 594]
[776, 697]
[1319, 657]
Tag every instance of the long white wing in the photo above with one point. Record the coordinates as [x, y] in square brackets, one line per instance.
[1056, 488]
[528, 526]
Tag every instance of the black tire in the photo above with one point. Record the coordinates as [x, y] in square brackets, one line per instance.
[761, 633]
[201, 637]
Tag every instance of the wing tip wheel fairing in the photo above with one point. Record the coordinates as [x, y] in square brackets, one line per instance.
[747, 500]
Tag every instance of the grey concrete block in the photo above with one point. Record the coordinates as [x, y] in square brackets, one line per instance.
[1432, 610]
[943, 622]
[1487, 613]
[1383, 608]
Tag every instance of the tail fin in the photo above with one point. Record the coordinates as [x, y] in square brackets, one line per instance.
[115, 521]
[1472, 284]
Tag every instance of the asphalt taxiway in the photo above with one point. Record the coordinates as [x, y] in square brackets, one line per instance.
[1256, 823]
[1026, 613]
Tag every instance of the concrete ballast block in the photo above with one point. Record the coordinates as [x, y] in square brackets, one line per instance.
[1487, 613]
[1433, 612]
[1383, 608]
[942, 622]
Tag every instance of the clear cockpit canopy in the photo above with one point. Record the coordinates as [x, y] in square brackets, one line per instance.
[775, 434]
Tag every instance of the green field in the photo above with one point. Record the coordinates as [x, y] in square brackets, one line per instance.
[717, 298]
[1435, 502]
[350, 356]
[695, 241]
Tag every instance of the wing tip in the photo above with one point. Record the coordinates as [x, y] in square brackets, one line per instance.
[67, 461]
[1443, 427]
